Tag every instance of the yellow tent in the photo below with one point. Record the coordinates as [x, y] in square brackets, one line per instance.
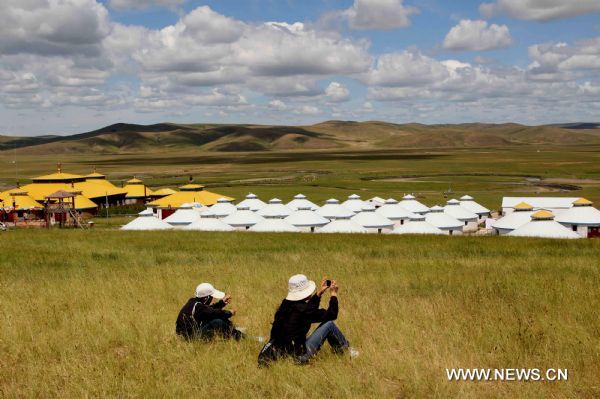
[20, 198]
[188, 193]
[136, 188]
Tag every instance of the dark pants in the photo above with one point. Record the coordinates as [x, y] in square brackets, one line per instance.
[327, 331]
[223, 328]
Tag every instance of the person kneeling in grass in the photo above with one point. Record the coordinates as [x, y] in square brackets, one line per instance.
[293, 320]
[199, 319]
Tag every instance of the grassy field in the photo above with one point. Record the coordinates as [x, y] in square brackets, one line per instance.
[486, 173]
[91, 314]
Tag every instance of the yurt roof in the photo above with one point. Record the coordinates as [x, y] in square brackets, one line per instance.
[137, 190]
[300, 201]
[175, 200]
[354, 203]
[253, 202]
[580, 215]
[221, 209]
[134, 180]
[544, 229]
[442, 220]
[417, 227]
[183, 216]
[333, 210]
[275, 208]
[342, 226]
[242, 217]
[191, 187]
[208, 224]
[95, 175]
[393, 211]
[90, 189]
[146, 212]
[472, 206]
[147, 223]
[410, 203]
[542, 215]
[513, 220]
[376, 200]
[163, 192]
[523, 206]
[20, 198]
[583, 202]
[59, 176]
[368, 218]
[455, 210]
[466, 198]
[275, 225]
[306, 218]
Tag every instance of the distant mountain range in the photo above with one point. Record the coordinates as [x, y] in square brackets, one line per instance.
[130, 138]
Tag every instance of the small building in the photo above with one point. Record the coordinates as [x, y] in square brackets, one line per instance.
[582, 218]
[300, 201]
[543, 225]
[410, 203]
[521, 215]
[188, 193]
[275, 209]
[274, 225]
[137, 192]
[208, 223]
[306, 219]
[438, 218]
[470, 220]
[342, 225]
[253, 202]
[354, 203]
[185, 215]
[393, 211]
[334, 210]
[243, 218]
[223, 208]
[468, 202]
[552, 204]
[372, 221]
[147, 221]
[417, 225]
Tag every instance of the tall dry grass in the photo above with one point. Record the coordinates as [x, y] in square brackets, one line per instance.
[91, 314]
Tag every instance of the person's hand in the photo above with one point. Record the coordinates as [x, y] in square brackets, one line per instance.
[323, 287]
[334, 288]
[227, 299]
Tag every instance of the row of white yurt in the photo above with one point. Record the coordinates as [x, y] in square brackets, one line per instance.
[468, 202]
[582, 218]
[440, 219]
[469, 219]
[392, 210]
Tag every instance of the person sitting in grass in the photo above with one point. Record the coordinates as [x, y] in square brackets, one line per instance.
[293, 320]
[199, 319]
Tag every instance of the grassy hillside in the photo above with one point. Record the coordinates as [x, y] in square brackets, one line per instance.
[96, 318]
[128, 138]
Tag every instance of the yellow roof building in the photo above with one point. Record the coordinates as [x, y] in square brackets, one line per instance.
[163, 192]
[542, 215]
[136, 188]
[188, 193]
[20, 199]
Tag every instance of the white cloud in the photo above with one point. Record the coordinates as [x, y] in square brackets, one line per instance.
[477, 36]
[277, 105]
[337, 92]
[308, 110]
[559, 61]
[407, 68]
[378, 14]
[540, 10]
[141, 4]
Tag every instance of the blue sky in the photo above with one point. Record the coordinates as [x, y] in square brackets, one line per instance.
[76, 65]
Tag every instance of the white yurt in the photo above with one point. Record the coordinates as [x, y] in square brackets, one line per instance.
[243, 218]
[147, 221]
[372, 221]
[582, 218]
[185, 215]
[376, 202]
[300, 201]
[354, 203]
[542, 224]
[209, 223]
[274, 225]
[470, 220]
[306, 220]
[417, 225]
[333, 210]
[253, 202]
[275, 209]
[222, 208]
[342, 225]
[410, 203]
[440, 219]
[521, 215]
[393, 211]
[468, 202]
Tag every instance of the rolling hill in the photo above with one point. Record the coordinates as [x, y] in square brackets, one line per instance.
[131, 138]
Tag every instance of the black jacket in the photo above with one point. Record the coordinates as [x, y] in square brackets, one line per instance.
[194, 313]
[293, 319]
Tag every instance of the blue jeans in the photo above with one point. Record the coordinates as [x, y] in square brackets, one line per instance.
[329, 332]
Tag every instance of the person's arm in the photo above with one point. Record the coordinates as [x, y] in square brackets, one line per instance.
[218, 305]
[206, 312]
[316, 315]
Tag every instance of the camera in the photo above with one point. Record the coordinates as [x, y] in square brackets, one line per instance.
[328, 282]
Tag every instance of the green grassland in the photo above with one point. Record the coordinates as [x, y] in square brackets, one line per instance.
[90, 313]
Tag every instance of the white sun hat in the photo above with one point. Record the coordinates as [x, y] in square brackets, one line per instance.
[205, 289]
[300, 287]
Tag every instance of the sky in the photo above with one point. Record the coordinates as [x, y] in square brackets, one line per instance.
[70, 66]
